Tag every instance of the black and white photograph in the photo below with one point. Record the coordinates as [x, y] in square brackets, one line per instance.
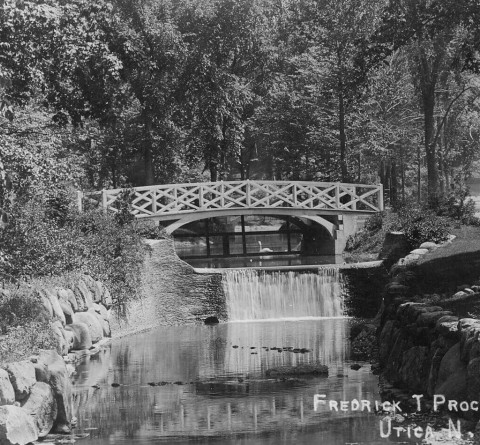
[240, 222]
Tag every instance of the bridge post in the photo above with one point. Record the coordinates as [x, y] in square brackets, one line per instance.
[80, 201]
[380, 198]
[247, 193]
[337, 195]
[200, 196]
[104, 200]
[154, 201]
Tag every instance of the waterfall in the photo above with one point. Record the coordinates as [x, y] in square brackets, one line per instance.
[259, 295]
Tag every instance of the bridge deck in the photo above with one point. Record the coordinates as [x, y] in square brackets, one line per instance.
[166, 202]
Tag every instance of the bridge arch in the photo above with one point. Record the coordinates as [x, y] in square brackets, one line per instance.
[191, 217]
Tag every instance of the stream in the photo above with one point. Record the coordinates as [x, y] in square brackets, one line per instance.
[210, 384]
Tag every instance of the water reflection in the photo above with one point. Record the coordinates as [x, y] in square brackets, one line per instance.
[210, 384]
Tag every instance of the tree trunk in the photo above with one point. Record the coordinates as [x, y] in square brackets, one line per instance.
[394, 185]
[213, 167]
[148, 149]
[431, 156]
[343, 137]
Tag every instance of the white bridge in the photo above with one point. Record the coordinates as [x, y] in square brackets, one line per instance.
[329, 204]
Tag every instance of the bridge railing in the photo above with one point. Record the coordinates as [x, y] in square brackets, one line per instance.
[173, 199]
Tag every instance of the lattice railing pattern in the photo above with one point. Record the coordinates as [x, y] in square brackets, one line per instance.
[172, 199]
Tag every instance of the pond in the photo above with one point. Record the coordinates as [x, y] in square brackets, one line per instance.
[209, 384]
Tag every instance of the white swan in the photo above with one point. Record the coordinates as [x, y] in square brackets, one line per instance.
[265, 249]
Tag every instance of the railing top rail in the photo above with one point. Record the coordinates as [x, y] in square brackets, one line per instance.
[246, 181]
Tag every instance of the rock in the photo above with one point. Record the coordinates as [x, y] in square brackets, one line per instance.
[411, 258]
[460, 294]
[419, 252]
[428, 245]
[452, 375]
[429, 319]
[355, 366]
[107, 300]
[67, 295]
[83, 296]
[448, 327]
[297, 370]
[473, 378]
[22, 378]
[45, 301]
[102, 310]
[70, 338]
[51, 369]
[211, 320]
[395, 246]
[468, 291]
[67, 311]
[57, 309]
[82, 338]
[90, 319]
[16, 426]
[107, 332]
[385, 340]
[42, 406]
[91, 285]
[61, 341]
[7, 394]
[99, 291]
[414, 369]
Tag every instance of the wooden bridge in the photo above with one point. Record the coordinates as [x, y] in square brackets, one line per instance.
[330, 204]
[167, 202]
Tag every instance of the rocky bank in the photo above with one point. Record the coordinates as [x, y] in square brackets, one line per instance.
[36, 394]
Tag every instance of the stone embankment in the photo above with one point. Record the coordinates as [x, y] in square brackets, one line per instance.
[430, 344]
[36, 394]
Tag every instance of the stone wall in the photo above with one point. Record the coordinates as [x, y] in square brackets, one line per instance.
[36, 394]
[171, 294]
[427, 344]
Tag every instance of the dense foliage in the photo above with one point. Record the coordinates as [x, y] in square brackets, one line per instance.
[46, 237]
[139, 92]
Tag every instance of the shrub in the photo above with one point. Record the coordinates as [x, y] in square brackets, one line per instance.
[456, 205]
[45, 238]
[22, 341]
[423, 225]
[374, 223]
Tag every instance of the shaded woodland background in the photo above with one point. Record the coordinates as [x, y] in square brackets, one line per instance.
[135, 92]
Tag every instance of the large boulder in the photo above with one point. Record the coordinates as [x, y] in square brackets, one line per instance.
[67, 310]
[46, 303]
[107, 300]
[57, 309]
[7, 394]
[70, 337]
[83, 296]
[16, 426]
[415, 368]
[102, 310]
[42, 406]
[61, 343]
[89, 318]
[50, 368]
[22, 377]
[67, 295]
[452, 375]
[81, 336]
[93, 287]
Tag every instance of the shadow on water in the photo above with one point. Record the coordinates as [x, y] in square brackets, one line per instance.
[208, 384]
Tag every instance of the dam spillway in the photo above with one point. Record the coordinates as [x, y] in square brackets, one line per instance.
[262, 295]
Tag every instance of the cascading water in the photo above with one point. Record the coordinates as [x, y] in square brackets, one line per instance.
[260, 295]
